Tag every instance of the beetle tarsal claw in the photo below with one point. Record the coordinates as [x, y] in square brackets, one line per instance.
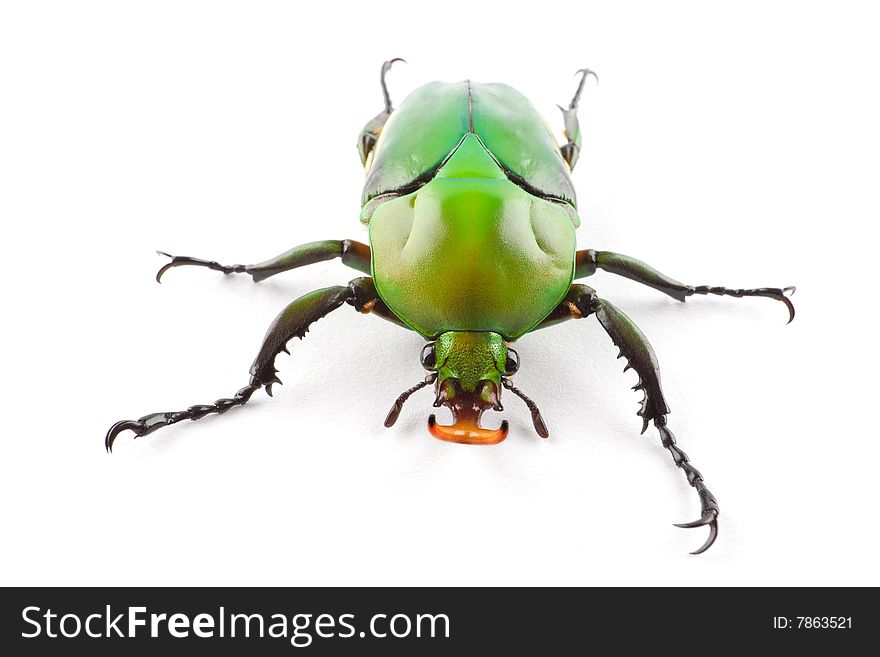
[178, 261]
[118, 428]
[165, 267]
[786, 293]
[386, 66]
[149, 423]
[584, 73]
[784, 296]
[710, 518]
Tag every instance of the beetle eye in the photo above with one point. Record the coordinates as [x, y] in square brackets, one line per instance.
[429, 357]
[511, 365]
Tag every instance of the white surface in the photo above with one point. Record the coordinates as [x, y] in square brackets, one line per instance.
[724, 146]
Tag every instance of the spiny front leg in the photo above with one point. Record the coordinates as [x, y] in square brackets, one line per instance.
[588, 261]
[634, 346]
[353, 254]
[293, 321]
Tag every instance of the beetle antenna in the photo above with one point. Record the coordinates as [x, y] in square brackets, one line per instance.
[385, 68]
[394, 413]
[585, 73]
[537, 420]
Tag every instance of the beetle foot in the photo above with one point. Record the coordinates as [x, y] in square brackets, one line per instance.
[178, 261]
[709, 509]
[149, 423]
[709, 512]
[780, 294]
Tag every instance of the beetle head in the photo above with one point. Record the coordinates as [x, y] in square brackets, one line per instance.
[469, 367]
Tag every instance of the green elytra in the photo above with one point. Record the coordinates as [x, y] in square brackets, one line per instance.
[471, 213]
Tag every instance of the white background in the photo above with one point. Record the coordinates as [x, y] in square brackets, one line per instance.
[730, 146]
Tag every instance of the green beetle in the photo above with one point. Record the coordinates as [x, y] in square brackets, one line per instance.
[472, 215]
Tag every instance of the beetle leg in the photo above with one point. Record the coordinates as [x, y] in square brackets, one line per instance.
[634, 346]
[353, 254]
[588, 260]
[371, 131]
[293, 321]
[572, 129]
